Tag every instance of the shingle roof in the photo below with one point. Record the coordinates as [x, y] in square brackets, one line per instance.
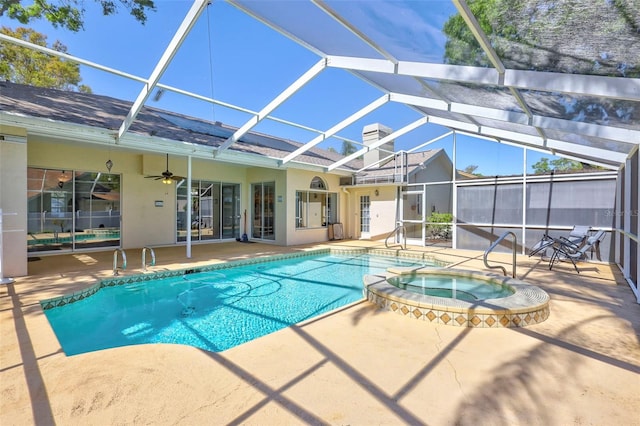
[108, 113]
[413, 161]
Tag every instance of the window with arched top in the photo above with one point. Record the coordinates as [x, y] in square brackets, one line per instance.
[317, 207]
[317, 183]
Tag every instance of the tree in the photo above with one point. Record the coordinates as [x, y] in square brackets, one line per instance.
[26, 66]
[470, 168]
[348, 148]
[558, 165]
[70, 13]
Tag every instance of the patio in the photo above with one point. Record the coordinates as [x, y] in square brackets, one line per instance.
[356, 365]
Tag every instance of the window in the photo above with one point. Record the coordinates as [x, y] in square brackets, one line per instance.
[315, 209]
[317, 183]
[72, 209]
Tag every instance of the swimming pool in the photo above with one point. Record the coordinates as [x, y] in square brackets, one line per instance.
[216, 309]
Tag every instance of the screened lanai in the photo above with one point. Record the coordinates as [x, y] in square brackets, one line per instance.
[500, 85]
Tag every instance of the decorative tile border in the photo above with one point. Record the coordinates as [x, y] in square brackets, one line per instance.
[131, 279]
[528, 305]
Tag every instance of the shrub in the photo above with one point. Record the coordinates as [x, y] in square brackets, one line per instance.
[437, 231]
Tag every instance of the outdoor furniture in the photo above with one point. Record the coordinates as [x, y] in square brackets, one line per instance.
[576, 237]
[564, 249]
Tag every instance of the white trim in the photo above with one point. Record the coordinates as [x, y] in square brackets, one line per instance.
[180, 35]
[406, 129]
[341, 125]
[309, 75]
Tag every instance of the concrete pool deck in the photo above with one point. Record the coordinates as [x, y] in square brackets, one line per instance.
[357, 365]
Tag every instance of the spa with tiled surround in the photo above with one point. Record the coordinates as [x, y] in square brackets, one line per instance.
[526, 306]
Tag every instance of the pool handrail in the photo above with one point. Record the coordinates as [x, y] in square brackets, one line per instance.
[399, 227]
[514, 246]
[153, 257]
[115, 260]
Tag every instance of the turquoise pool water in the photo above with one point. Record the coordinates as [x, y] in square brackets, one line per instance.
[460, 288]
[215, 310]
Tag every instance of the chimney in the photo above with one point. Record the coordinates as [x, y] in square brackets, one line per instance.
[373, 133]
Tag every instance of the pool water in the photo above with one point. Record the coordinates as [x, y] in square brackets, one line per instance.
[215, 310]
[450, 287]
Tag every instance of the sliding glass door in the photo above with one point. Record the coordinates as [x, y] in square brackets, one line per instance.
[214, 210]
[263, 214]
[72, 210]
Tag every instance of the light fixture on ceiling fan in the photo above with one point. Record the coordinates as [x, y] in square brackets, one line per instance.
[166, 176]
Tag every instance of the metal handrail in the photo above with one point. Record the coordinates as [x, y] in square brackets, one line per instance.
[115, 260]
[153, 257]
[514, 247]
[400, 227]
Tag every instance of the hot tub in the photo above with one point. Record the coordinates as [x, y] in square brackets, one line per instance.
[523, 305]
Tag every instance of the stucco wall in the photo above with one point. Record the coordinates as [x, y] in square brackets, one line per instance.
[13, 202]
[300, 180]
[382, 211]
[142, 222]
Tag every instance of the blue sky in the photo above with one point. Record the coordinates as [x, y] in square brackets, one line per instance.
[248, 65]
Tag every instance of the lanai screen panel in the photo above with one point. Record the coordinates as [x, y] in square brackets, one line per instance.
[592, 37]
[407, 30]
[317, 29]
[591, 141]
[621, 113]
[474, 94]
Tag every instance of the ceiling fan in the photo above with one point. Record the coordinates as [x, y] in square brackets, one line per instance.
[166, 176]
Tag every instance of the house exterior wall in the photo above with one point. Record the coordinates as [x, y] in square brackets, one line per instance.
[300, 180]
[382, 213]
[13, 201]
[144, 224]
[438, 170]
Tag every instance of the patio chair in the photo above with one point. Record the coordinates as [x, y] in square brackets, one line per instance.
[577, 236]
[566, 250]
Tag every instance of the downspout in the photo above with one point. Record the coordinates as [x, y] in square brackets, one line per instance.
[348, 215]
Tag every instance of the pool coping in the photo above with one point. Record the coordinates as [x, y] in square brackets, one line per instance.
[528, 305]
[92, 289]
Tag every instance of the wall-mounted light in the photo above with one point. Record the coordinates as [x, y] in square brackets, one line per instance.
[62, 179]
[376, 192]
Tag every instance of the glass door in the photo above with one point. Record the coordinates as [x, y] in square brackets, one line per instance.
[215, 210]
[365, 208]
[263, 214]
[231, 210]
[69, 210]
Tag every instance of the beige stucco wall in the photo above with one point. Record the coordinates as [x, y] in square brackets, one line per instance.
[382, 211]
[300, 180]
[145, 224]
[142, 222]
[13, 202]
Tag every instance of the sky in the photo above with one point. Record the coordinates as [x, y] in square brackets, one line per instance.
[232, 57]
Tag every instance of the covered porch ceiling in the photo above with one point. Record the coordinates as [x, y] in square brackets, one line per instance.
[555, 77]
